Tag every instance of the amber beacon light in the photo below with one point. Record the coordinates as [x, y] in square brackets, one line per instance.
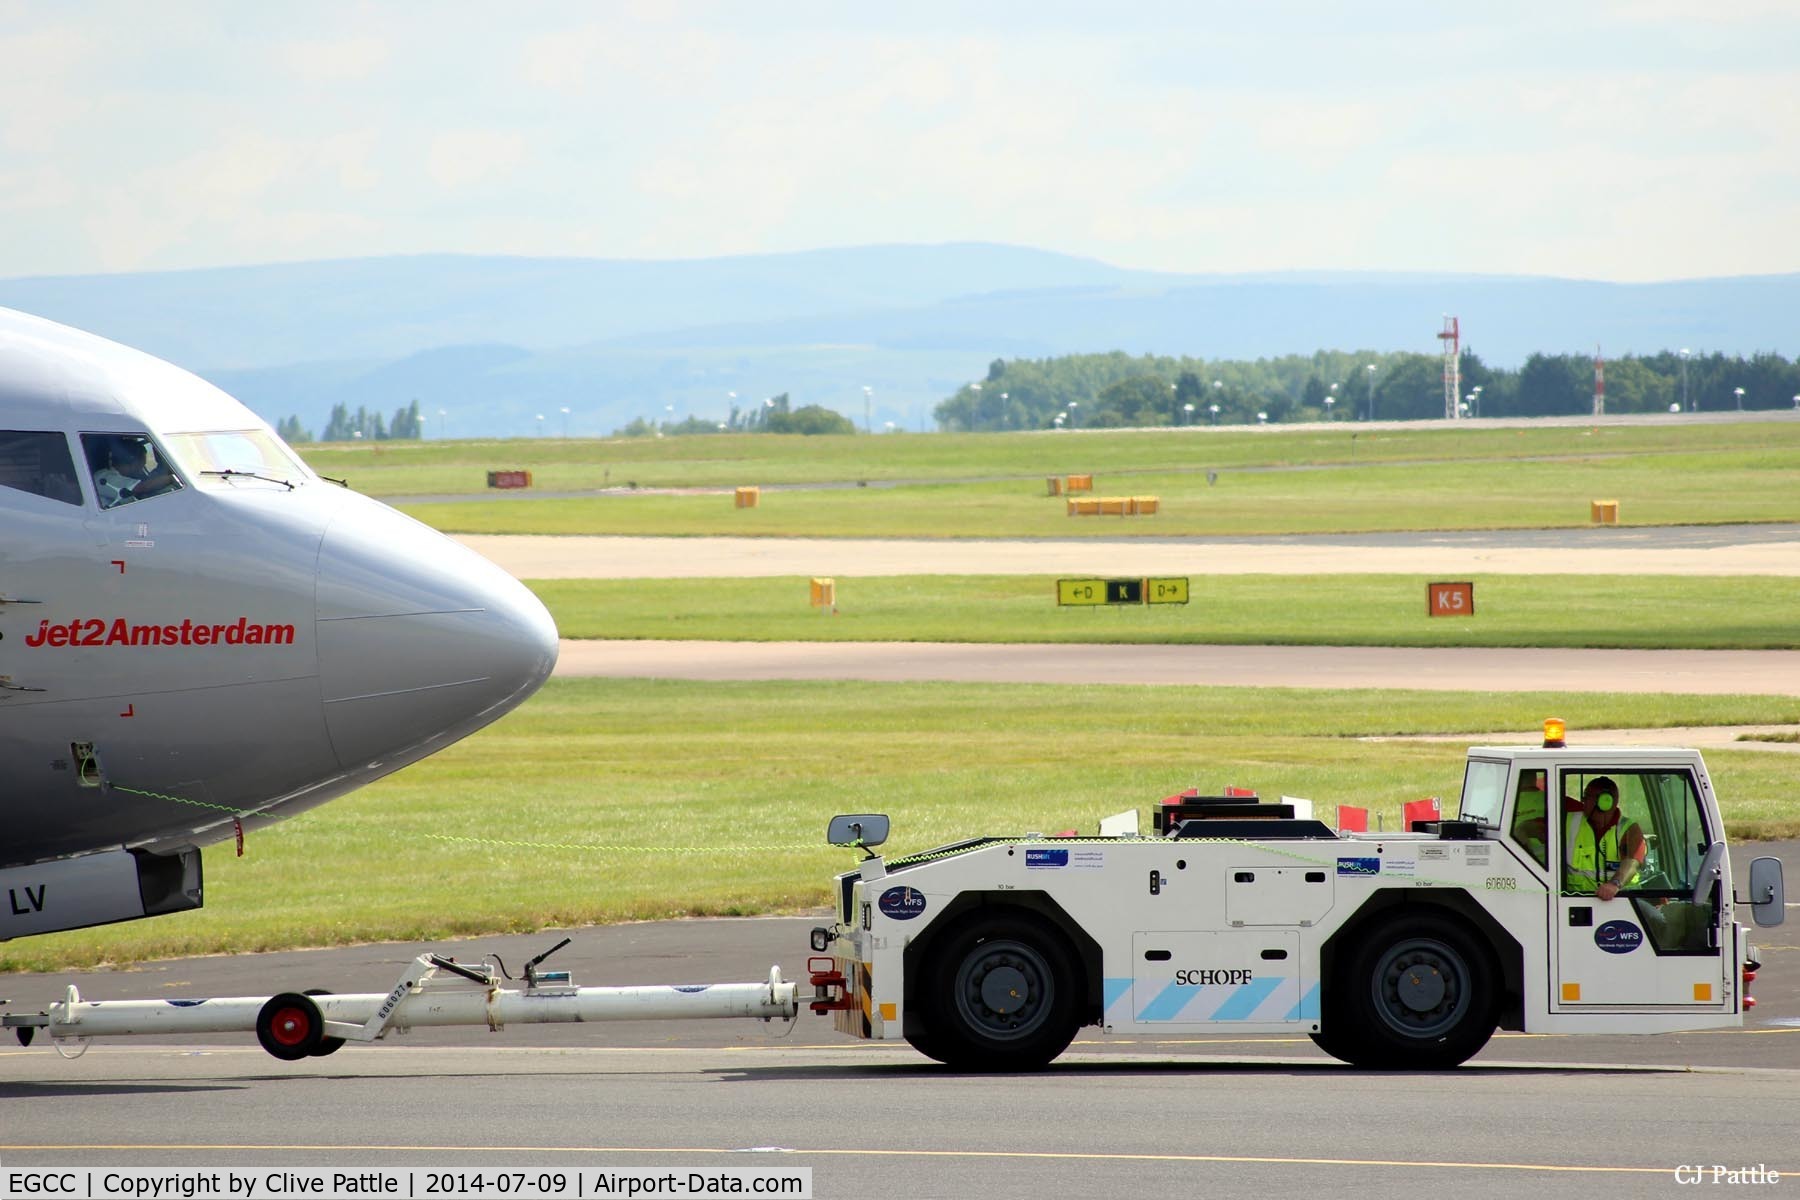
[1554, 728]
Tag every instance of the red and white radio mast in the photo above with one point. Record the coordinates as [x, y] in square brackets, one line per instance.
[1452, 339]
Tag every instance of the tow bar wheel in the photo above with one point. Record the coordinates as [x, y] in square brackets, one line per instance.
[327, 1045]
[290, 1026]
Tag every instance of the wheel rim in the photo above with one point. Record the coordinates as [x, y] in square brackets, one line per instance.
[1004, 990]
[290, 1026]
[1421, 988]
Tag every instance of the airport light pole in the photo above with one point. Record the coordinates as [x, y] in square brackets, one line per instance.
[1073, 405]
[1370, 368]
[1739, 393]
[868, 421]
[443, 423]
[1189, 410]
[565, 417]
[540, 424]
[1686, 404]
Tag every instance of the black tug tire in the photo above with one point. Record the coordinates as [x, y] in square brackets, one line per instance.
[327, 1044]
[1000, 994]
[924, 1045]
[1420, 993]
[290, 1027]
[1336, 1040]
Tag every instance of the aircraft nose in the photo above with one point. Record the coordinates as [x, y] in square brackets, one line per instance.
[421, 640]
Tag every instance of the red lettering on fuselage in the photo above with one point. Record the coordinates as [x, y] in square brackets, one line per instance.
[97, 631]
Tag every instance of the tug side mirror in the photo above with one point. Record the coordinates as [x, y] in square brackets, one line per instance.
[866, 829]
[1767, 894]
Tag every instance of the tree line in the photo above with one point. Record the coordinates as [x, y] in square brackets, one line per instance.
[771, 416]
[1117, 390]
[347, 426]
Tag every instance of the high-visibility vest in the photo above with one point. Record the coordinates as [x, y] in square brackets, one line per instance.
[1591, 860]
[1530, 823]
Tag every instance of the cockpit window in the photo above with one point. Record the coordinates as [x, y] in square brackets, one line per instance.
[231, 457]
[39, 463]
[127, 467]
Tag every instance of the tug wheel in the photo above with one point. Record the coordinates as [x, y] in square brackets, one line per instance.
[290, 1026]
[1002, 995]
[1420, 994]
[327, 1045]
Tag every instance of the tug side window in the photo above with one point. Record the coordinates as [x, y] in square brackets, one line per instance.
[1658, 834]
[1531, 827]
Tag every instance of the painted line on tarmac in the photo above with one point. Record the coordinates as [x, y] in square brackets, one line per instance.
[844, 1152]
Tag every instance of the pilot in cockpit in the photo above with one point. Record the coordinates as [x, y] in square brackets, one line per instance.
[127, 474]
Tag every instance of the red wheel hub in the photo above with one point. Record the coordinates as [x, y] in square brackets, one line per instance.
[291, 1026]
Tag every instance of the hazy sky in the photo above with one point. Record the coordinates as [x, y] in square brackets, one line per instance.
[1628, 140]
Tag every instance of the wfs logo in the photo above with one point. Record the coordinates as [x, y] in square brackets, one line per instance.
[902, 903]
[1618, 937]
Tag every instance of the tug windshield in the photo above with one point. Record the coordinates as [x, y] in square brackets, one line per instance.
[1484, 791]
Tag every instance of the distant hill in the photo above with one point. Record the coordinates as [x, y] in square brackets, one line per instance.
[492, 342]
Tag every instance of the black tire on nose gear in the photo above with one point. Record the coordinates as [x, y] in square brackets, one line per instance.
[1419, 992]
[1001, 993]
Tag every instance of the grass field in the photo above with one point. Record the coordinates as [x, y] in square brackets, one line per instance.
[621, 800]
[728, 460]
[1723, 486]
[1347, 610]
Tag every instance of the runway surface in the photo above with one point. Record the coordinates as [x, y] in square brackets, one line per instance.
[1659, 550]
[1713, 672]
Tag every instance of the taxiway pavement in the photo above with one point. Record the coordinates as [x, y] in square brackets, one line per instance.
[1205, 1114]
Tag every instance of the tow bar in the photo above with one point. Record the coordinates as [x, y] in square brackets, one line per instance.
[432, 991]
